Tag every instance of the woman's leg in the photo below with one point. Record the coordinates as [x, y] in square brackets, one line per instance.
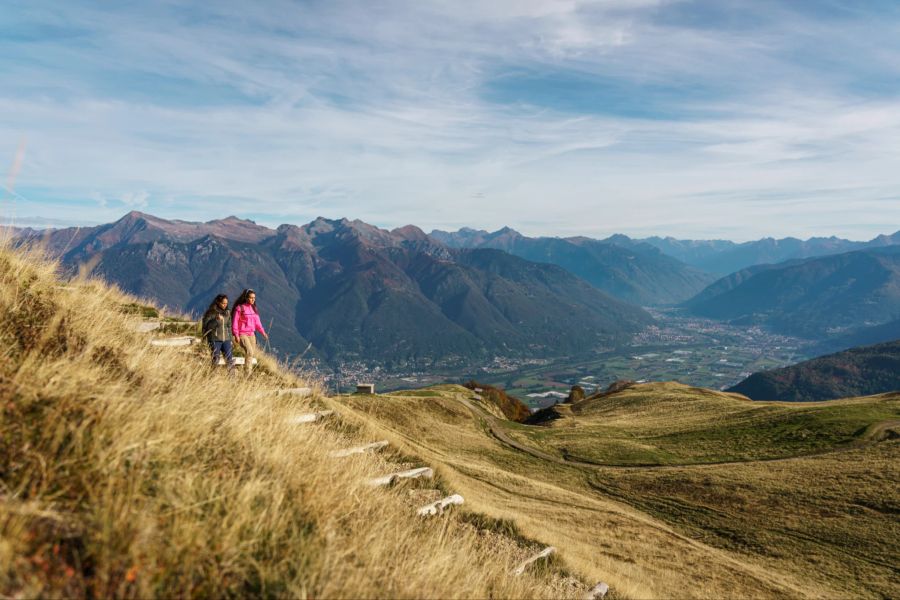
[227, 350]
[248, 343]
[214, 348]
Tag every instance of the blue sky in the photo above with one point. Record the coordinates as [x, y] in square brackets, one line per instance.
[735, 119]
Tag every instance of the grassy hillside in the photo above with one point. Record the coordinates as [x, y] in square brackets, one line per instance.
[670, 423]
[818, 522]
[135, 471]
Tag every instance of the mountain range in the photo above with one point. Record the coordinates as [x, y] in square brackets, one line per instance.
[814, 298]
[354, 291]
[723, 257]
[855, 372]
[637, 273]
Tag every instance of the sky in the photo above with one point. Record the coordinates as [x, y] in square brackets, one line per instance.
[695, 119]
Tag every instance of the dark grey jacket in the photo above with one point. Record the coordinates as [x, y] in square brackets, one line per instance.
[215, 330]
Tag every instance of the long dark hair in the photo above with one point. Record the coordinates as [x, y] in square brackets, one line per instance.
[214, 305]
[244, 299]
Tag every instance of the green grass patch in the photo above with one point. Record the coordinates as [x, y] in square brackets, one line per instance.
[133, 308]
[693, 427]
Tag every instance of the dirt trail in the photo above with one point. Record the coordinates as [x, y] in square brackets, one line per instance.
[875, 433]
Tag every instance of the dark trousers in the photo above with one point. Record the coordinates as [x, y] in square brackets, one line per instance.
[223, 348]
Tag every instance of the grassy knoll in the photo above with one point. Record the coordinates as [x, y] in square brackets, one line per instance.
[134, 471]
[670, 424]
[813, 526]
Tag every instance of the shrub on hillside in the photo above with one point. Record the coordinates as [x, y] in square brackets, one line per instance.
[511, 407]
[576, 394]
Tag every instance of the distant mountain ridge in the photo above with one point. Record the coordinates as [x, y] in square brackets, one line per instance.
[814, 298]
[723, 257]
[355, 291]
[855, 372]
[637, 273]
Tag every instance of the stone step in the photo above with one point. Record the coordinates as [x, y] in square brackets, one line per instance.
[359, 449]
[545, 553]
[598, 592]
[311, 417]
[175, 341]
[437, 508]
[238, 360]
[297, 391]
[146, 326]
[426, 472]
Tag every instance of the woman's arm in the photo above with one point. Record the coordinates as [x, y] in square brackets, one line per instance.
[209, 324]
[234, 321]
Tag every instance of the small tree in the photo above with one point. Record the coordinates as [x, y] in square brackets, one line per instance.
[576, 394]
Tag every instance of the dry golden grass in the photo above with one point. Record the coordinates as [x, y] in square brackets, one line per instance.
[831, 519]
[790, 529]
[133, 471]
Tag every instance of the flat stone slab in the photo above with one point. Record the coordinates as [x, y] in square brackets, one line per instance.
[175, 341]
[147, 326]
[359, 449]
[545, 553]
[437, 508]
[311, 417]
[426, 472]
[297, 391]
[598, 592]
[238, 360]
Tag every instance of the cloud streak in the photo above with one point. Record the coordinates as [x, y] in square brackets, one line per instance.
[696, 119]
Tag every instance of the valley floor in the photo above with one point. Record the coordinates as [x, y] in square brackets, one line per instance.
[692, 350]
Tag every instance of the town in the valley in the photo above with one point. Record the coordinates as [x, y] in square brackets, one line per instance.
[679, 347]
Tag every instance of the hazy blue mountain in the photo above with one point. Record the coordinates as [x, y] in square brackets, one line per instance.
[814, 298]
[356, 291]
[723, 257]
[854, 372]
[639, 273]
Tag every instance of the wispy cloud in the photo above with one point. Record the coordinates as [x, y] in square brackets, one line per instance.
[701, 118]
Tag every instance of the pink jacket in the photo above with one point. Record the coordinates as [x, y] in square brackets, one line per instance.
[245, 321]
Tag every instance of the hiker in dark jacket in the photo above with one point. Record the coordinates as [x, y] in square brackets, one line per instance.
[217, 330]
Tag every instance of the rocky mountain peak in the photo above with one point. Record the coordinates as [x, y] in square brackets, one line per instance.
[410, 233]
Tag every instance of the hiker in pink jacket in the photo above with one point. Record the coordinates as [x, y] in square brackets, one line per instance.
[245, 323]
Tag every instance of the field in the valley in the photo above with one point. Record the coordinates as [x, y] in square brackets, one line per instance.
[802, 503]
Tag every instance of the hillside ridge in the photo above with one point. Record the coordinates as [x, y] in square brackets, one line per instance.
[855, 372]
